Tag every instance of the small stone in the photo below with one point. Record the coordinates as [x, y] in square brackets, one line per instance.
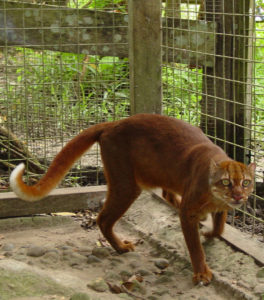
[36, 251]
[65, 247]
[101, 252]
[143, 272]
[84, 251]
[125, 296]
[50, 257]
[169, 273]
[161, 292]
[260, 273]
[8, 254]
[112, 276]
[80, 296]
[73, 258]
[53, 251]
[7, 247]
[19, 257]
[98, 285]
[135, 255]
[135, 264]
[116, 260]
[163, 279]
[138, 287]
[93, 259]
[125, 275]
[66, 254]
[22, 251]
[161, 263]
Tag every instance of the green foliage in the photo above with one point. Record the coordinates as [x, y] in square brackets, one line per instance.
[258, 112]
[182, 92]
[259, 3]
[119, 5]
[61, 90]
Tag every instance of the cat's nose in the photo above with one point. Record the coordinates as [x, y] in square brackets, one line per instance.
[237, 197]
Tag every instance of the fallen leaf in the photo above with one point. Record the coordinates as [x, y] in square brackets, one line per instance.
[137, 277]
[128, 285]
[131, 282]
[64, 214]
[103, 242]
[115, 289]
[98, 244]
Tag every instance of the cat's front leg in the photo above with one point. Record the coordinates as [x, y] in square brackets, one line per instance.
[190, 224]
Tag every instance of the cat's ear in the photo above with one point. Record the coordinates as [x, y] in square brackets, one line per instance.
[252, 168]
[214, 167]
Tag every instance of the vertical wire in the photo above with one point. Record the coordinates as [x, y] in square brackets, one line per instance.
[44, 136]
[252, 35]
[25, 66]
[8, 110]
[243, 40]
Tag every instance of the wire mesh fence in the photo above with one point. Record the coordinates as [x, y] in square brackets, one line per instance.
[64, 66]
[222, 92]
[49, 96]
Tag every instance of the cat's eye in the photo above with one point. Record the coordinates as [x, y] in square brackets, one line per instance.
[226, 182]
[246, 183]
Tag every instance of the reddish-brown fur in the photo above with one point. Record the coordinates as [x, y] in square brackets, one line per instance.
[147, 151]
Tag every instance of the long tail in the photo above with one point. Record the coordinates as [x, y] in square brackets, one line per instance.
[61, 164]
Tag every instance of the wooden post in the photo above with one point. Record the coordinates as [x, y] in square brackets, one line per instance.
[224, 85]
[249, 79]
[144, 33]
[242, 94]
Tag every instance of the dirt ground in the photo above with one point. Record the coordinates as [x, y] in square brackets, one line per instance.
[45, 258]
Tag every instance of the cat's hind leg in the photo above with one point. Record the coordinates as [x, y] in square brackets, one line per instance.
[172, 198]
[122, 192]
[219, 219]
[115, 206]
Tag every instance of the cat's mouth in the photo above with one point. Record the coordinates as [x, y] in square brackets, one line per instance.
[234, 204]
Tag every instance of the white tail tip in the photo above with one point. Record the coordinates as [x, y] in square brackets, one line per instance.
[14, 184]
[15, 173]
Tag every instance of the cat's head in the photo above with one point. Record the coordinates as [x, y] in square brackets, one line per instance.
[231, 182]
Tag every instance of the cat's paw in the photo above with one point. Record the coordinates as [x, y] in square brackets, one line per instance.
[203, 278]
[126, 246]
[210, 234]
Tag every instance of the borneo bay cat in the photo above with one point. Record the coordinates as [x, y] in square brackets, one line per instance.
[147, 151]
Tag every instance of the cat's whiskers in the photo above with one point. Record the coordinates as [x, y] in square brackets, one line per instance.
[220, 197]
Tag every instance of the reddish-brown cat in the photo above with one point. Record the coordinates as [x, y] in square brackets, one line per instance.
[147, 151]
